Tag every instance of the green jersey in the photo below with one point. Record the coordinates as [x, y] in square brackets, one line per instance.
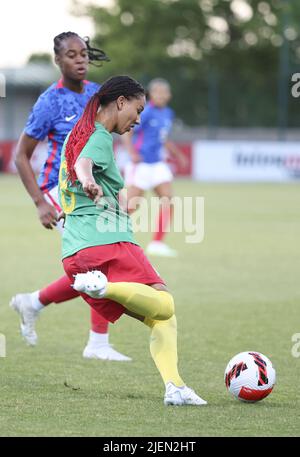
[88, 224]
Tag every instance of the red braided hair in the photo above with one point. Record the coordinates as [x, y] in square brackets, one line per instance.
[80, 134]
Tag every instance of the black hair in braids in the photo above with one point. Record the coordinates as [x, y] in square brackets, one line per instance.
[110, 91]
[116, 86]
[95, 54]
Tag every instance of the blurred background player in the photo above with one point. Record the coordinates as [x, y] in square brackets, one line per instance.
[147, 169]
[55, 113]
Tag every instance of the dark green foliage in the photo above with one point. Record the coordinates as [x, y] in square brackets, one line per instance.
[228, 78]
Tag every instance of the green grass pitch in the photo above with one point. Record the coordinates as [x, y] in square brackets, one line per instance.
[237, 290]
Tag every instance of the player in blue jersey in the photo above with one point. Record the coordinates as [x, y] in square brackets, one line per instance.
[147, 168]
[53, 116]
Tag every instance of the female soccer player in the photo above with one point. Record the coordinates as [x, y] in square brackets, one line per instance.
[55, 113]
[98, 249]
[147, 169]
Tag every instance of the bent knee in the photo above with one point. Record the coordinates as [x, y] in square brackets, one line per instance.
[168, 306]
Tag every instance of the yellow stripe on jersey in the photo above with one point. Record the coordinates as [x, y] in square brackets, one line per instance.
[65, 194]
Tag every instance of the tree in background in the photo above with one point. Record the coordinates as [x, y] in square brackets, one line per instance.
[40, 58]
[221, 56]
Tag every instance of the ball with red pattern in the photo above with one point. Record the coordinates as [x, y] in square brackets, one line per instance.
[250, 376]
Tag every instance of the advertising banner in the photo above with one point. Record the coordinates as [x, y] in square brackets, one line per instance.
[237, 161]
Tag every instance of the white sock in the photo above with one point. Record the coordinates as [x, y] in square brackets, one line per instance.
[35, 300]
[98, 339]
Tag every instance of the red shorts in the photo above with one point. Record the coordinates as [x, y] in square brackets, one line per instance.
[120, 262]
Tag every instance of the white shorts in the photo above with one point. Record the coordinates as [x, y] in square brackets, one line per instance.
[147, 176]
[51, 197]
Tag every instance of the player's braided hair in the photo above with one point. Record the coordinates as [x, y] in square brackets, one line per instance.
[95, 54]
[85, 126]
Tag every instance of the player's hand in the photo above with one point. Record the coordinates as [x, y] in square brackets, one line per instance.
[47, 215]
[92, 190]
[61, 217]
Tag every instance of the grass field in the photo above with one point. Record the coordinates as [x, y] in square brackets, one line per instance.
[238, 290]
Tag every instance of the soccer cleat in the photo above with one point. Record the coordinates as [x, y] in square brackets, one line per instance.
[160, 249]
[22, 304]
[92, 283]
[104, 352]
[179, 396]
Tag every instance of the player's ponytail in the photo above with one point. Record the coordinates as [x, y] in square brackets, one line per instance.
[95, 54]
[112, 89]
[80, 134]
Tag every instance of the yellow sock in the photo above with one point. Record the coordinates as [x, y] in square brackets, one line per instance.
[163, 348]
[142, 299]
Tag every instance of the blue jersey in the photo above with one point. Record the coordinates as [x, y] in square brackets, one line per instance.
[150, 136]
[54, 114]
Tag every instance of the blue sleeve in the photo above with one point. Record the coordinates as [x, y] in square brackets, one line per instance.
[39, 121]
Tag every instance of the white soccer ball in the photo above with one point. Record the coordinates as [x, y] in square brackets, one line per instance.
[250, 376]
